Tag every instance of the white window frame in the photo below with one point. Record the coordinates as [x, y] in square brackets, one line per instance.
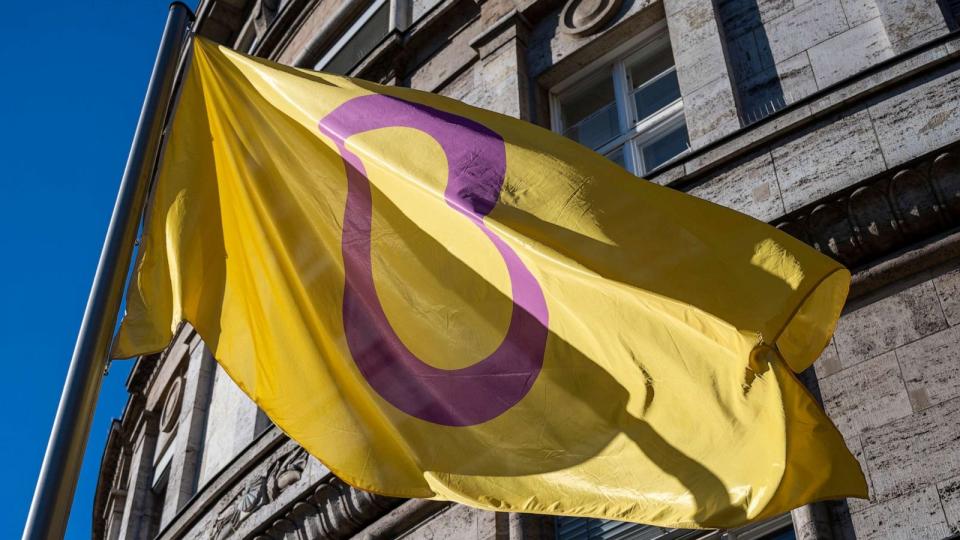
[399, 19]
[632, 134]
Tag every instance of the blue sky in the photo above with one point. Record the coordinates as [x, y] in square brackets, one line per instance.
[74, 75]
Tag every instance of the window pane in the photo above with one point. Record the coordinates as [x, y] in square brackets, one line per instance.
[589, 113]
[616, 156]
[653, 79]
[649, 62]
[362, 43]
[785, 533]
[664, 146]
[656, 94]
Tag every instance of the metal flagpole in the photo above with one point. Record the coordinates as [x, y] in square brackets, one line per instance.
[50, 509]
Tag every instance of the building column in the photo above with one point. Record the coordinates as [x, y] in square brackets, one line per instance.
[138, 511]
[502, 49]
[188, 446]
[708, 98]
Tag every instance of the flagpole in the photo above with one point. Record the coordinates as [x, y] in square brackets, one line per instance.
[57, 482]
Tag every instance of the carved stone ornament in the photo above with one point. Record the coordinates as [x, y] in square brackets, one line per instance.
[260, 490]
[884, 213]
[584, 17]
[171, 406]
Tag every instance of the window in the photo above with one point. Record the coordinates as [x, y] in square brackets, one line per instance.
[158, 496]
[360, 39]
[778, 528]
[951, 12]
[630, 110]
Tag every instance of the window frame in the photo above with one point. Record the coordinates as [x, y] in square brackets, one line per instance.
[633, 134]
[398, 15]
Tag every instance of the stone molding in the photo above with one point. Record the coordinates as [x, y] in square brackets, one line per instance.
[330, 510]
[274, 489]
[585, 17]
[888, 212]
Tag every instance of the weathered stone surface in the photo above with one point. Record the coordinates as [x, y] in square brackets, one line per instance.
[829, 361]
[948, 289]
[749, 187]
[797, 78]
[905, 18]
[856, 448]
[549, 46]
[867, 395]
[860, 11]
[889, 323]
[457, 522]
[914, 452]
[669, 175]
[910, 517]
[418, 8]
[950, 499]
[931, 368]
[850, 52]
[231, 425]
[808, 24]
[756, 133]
[827, 157]
[900, 69]
[697, 48]
[711, 112]
[504, 90]
[925, 116]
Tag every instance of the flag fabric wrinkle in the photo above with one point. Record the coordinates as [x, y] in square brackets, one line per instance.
[439, 301]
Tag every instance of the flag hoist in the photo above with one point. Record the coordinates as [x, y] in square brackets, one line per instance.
[443, 302]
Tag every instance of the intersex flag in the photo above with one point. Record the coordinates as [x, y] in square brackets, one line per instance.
[439, 301]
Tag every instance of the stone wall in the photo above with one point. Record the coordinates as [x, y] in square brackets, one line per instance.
[836, 120]
[890, 380]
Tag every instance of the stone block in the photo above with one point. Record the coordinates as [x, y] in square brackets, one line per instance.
[797, 78]
[697, 48]
[948, 289]
[711, 112]
[668, 176]
[749, 187]
[231, 425]
[950, 499]
[829, 361]
[899, 70]
[856, 448]
[754, 135]
[808, 24]
[910, 517]
[457, 522]
[925, 116]
[865, 396]
[827, 157]
[931, 368]
[860, 11]
[906, 18]
[850, 52]
[914, 452]
[888, 323]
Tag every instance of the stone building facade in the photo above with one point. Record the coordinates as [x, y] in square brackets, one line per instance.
[836, 120]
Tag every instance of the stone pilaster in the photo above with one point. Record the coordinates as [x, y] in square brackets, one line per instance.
[188, 446]
[502, 73]
[138, 510]
[708, 98]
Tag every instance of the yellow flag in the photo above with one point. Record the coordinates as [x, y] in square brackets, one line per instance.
[440, 301]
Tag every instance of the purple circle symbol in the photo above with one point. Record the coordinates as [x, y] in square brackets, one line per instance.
[476, 160]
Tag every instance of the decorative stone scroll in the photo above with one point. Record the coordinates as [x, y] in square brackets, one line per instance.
[585, 17]
[885, 213]
[333, 510]
[285, 471]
